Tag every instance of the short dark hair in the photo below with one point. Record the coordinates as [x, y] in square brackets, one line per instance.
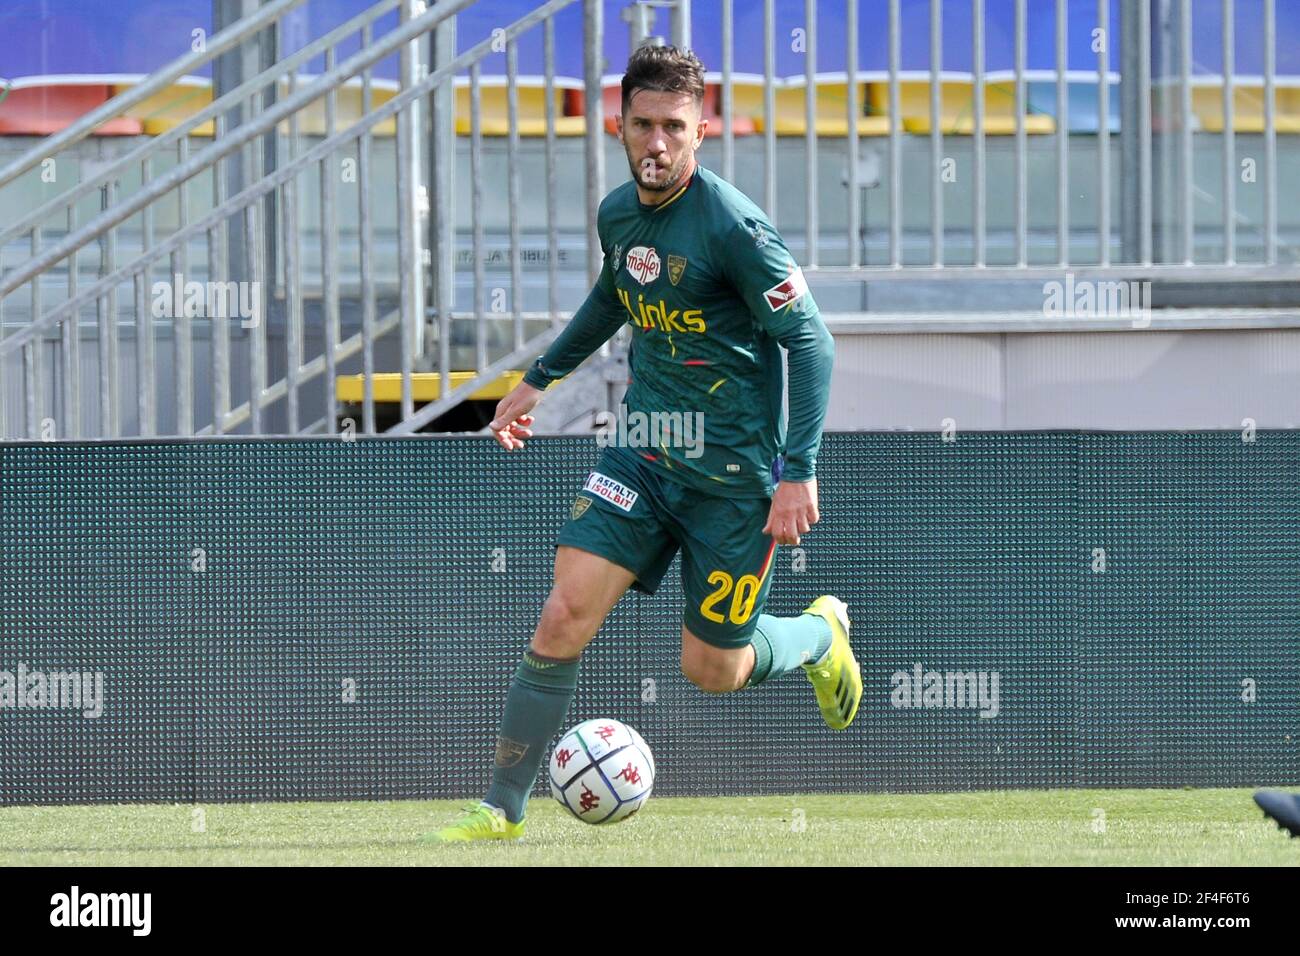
[663, 69]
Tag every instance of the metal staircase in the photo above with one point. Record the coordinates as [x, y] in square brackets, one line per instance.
[203, 242]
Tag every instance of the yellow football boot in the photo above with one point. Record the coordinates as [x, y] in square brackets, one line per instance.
[481, 822]
[836, 678]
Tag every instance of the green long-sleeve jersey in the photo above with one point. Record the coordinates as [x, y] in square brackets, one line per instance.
[709, 289]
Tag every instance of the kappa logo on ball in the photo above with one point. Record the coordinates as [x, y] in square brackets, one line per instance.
[602, 486]
[785, 293]
[643, 264]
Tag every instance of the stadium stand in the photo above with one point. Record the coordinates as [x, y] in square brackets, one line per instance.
[1247, 104]
[957, 113]
[831, 118]
[41, 106]
[495, 116]
[748, 98]
[172, 106]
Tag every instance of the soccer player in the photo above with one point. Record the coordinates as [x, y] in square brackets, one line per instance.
[710, 290]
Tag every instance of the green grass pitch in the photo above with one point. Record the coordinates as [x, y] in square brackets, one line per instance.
[1060, 827]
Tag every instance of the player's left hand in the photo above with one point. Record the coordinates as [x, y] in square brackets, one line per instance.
[793, 512]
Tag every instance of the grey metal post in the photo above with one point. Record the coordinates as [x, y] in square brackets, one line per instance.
[680, 20]
[32, 384]
[853, 110]
[1103, 134]
[410, 246]
[182, 352]
[254, 243]
[513, 190]
[936, 133]
[1062, 137]
[365, 252]
[1144, 130]
[1229, 140]
[144, 341]
[979, 225]
[895, 140]
[1166, 142]
[640, 20]
[1270, 134]
[1187, 212]
[1131, 90]
[3, 432]
[32, 359]
[146, 379]
[728, 93]
[221, 267]
[476, 216]
[552, 213]
[442, 171]
[108, 345]
[229, 71]
[72, 352]
[594, 141]
[268, 50]
[1022, 171]
[769, 110]
[810, 135]
[329, 259]
[293, 323]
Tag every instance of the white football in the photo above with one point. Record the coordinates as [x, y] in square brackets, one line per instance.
[602, 771]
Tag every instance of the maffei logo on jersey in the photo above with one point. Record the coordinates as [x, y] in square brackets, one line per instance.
[616, 493]
[643, 264]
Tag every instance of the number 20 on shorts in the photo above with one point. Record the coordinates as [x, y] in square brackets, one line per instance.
[744, 592]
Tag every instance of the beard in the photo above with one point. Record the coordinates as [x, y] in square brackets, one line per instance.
[664, 182]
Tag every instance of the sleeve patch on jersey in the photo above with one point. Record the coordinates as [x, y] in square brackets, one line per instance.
[791, 290]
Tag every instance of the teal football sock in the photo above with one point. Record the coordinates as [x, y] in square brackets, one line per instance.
[783, 643]
[539, 697]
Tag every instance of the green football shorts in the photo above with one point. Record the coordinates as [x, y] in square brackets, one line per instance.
[634, 516]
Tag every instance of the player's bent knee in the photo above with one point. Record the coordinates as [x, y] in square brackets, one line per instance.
[712, 679]
[712, 669]
[566, 627]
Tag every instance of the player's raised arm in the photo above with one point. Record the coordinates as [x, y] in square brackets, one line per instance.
[772, 284]
[596, 320]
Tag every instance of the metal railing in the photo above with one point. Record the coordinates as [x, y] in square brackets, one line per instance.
[255, 226]
[262, 221]
[1136, 232]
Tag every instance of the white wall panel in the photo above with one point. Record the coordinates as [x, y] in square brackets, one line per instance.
[1098, 380]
